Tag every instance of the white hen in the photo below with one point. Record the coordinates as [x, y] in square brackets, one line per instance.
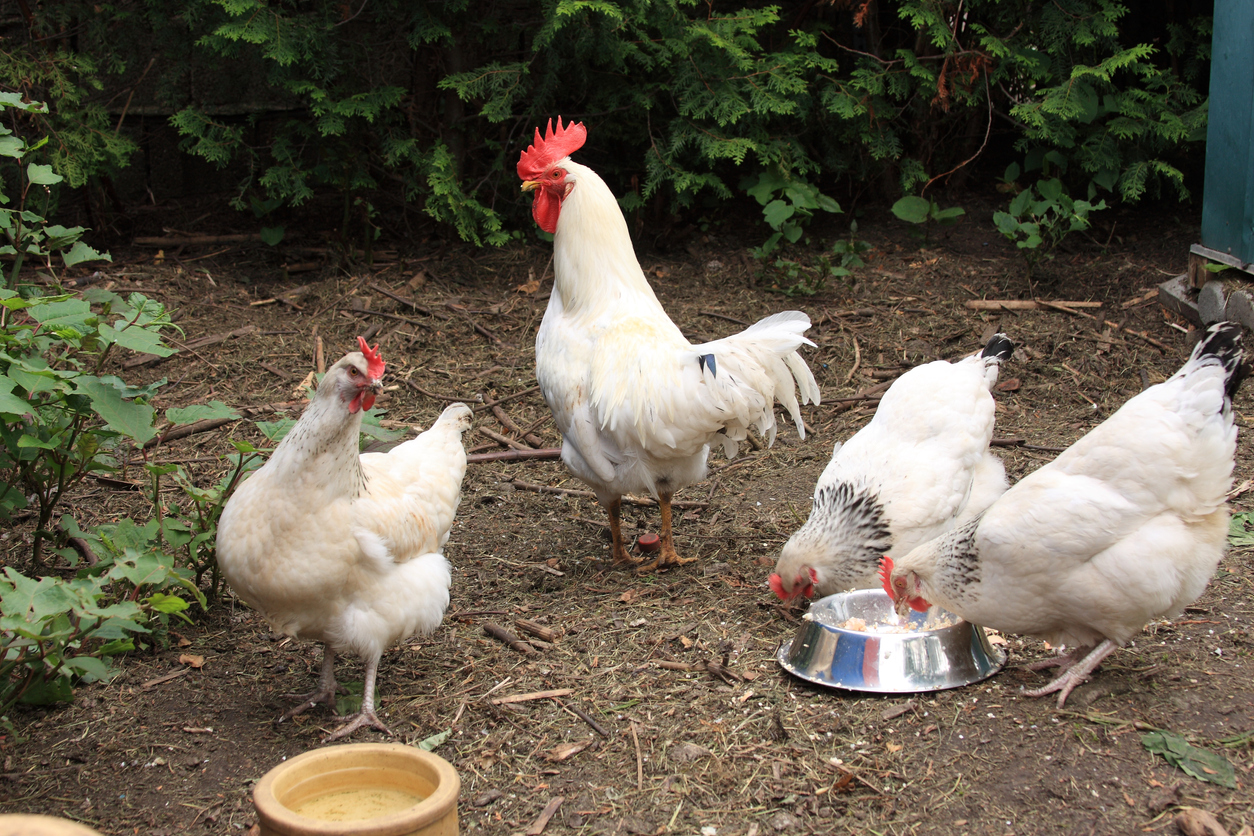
[342, 548]
[637, 404]
[921, 466]
[1126, 525]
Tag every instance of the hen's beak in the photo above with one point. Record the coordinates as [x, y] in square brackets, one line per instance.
[530, 185]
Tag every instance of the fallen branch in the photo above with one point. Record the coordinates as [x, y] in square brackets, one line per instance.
[587, 718]
[194, 240]
[723, 316]
[392, 316]
[1005, 442]
[515, 455]
[1023, 305]
[509, 424]
[534, 695]
[535, 629]
[1160, 346]
[498, 632]
[1060, 306]
[644, 502]
[173, 433]
[500, 439]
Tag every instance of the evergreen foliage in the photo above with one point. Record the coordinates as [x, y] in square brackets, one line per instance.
[430, 103]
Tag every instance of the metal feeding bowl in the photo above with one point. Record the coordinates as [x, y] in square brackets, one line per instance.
[928, 651]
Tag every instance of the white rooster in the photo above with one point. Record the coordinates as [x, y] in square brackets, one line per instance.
[1125, 526]
[921, 466]
[346, 548]
[638, 405]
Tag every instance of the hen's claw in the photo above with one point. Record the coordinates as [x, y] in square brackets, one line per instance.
[365, 717]
[325, 692]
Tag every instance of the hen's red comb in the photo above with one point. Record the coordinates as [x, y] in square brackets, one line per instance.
[550, 148]
[886, 569]
[374, 363]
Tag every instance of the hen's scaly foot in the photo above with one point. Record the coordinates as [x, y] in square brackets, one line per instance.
[325, 692]
[365, 717]
[1075, 674]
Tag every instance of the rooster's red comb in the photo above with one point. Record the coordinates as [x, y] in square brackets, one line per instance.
[374, 363]
[886, 569]
[550, 148]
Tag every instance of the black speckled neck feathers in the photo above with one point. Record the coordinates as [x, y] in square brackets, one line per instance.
[845, 537]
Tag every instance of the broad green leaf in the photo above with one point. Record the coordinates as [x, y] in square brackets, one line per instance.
[272, 235]
[47, 692]
[11, 146]
[912, 209]
[64, 313]
[89, 668]
[776, 212]
[1202, 764]
[81, 252]
[199, 412]
[42, 175]
[429, 744]
[139, 340]
[1241, 529]
[134, 420]
[11, 404]
[161, 602]
[950, 215]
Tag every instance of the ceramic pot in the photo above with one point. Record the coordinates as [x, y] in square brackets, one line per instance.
[326, 792]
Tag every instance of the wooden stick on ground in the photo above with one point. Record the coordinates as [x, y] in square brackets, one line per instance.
[498, 632]
[1023, 304]
[534, 695]
[1160, 346]
[538, 630]
[537, 827]
[500, 439]
[514, 455]
[587, 718]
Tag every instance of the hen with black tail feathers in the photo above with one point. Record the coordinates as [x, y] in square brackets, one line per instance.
[921, 466]
[1127, 525]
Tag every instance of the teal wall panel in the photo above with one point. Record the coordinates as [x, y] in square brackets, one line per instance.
[1228, 195]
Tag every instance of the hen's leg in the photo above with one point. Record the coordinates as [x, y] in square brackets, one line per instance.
[667, 556]
[325, 692]
[1062, 662]
[365, 717]
[621, 557]
[1075, 674]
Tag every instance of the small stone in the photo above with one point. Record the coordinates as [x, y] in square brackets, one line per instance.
[1211, 302]
[687, 752]
[1176, 296]
[782, 821]
[1240, 308]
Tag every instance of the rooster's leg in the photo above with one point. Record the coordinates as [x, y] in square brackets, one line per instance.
[325, 692]
[1075, 674]
[365, 717]
[667, 556]
[1062, 662]
[621, 558]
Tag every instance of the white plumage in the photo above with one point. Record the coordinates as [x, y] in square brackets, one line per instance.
[637, 404]
[919, 467]
[342, 548]
[1125, 526]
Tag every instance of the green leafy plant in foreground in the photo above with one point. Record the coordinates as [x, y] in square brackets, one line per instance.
[60, 417]
[923, 212]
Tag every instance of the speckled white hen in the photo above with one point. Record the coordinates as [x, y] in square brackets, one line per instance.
[638, 405]
[1125, 526]
[920, 467]
[346, 548]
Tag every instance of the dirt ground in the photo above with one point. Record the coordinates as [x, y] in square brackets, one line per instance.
[697, 729]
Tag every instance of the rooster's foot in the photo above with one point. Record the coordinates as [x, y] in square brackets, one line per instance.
[667, 557]
[356, 721]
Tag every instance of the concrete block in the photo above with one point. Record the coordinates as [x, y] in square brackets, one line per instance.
[1176, 295]
[1240, 308]
[1211, 302]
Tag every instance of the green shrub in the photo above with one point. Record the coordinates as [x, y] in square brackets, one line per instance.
[1041, 216]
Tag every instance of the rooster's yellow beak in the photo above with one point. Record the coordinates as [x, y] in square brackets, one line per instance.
[530, 185]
